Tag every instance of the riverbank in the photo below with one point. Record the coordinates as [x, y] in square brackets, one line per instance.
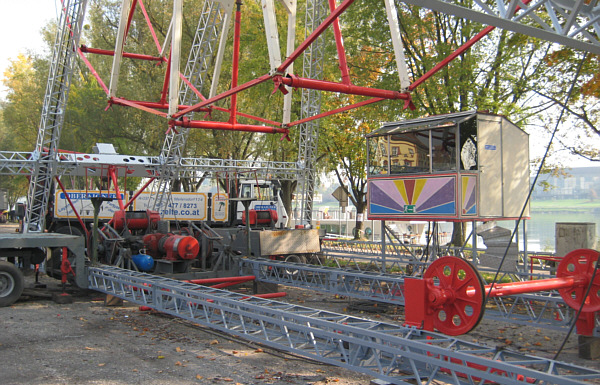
[566, 205]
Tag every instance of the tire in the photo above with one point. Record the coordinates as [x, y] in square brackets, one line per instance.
[293, 258]
[12, 283]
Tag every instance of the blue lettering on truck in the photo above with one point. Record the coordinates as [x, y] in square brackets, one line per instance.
[265, 207]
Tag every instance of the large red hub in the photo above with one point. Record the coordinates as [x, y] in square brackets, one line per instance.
[455, 295]
[580, 265]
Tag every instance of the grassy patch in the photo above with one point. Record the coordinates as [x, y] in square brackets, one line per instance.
[565, 205]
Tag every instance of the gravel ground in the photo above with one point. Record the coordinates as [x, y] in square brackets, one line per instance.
[86, 342]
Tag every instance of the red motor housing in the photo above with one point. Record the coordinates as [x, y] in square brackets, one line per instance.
[171, 247]
[135, 220]
[261, 217]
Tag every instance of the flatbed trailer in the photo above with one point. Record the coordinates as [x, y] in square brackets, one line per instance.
[18, 250]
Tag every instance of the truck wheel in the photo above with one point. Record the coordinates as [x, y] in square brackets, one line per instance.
[12, 283]
[295, 258]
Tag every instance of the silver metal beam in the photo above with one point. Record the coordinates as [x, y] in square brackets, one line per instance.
[573, 23]
[60, 73]
[313, 58]
[387, 351]
[69, 164]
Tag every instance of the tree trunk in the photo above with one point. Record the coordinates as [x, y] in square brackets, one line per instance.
[287, 189]
[459, 230]
[358, 232]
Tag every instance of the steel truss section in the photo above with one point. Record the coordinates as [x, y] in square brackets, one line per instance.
[545, 310]
[390, 352]
[69, 164]
[16, 163]
[316, 11]
[55, 100]
[354, 253]
[573, 23]
[364, 285]
[213, 23]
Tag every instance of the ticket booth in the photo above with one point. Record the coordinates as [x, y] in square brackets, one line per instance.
[468, 166]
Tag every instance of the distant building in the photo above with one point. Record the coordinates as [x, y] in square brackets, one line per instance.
[580, 183]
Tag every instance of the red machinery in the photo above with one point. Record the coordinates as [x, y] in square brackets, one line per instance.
[451, 295]
[175, 247]
[261, 217]
[159, 245]
[135, 220]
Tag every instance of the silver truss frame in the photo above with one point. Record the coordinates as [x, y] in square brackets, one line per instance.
[64, 51]
[69, 164]
[573, 23]
[211, 31]
[387, 351]
[316, 12]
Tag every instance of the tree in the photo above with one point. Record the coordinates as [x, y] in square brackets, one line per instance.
[500, 82]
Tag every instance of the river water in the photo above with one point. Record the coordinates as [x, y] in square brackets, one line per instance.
[541, 228]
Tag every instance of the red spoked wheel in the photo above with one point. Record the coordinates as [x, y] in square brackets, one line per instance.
[456, 297]
[580, 264]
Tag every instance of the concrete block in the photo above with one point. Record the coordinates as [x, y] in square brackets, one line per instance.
[589, 347]
[572, 236]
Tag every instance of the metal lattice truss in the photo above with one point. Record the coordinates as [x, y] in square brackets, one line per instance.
[372, 286]
[89, 165]
[546, 309]
[572, 23]
[64, 50]
[212, 28]
[356, 253]
[390, 352]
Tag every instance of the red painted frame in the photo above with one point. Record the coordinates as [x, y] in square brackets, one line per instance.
[279, 77]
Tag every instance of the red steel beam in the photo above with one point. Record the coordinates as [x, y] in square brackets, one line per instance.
[458, 52]
[129, 55]
[451, 57]
[236, 59]
[339, 43]
[165, 89]
[92, 70]
[224, 95]
[150, 26]
[158, 105]
[228, 126]
[335, 111]
[129, 20]
[62, 187]
[314, 35]
[322, 85]
[125, 102]
[523, 287]
[113, 177]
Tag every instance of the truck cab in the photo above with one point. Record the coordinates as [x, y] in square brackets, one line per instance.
[267, 196]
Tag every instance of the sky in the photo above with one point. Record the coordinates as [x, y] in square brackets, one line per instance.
[21, 22]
